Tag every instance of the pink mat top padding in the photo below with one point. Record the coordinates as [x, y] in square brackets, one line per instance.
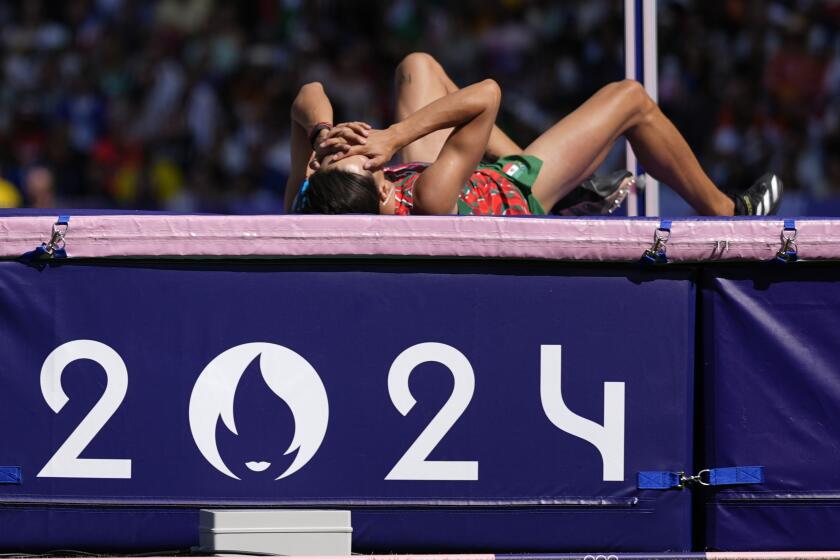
[589, 239]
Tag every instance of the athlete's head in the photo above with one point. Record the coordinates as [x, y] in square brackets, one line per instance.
[346, 187]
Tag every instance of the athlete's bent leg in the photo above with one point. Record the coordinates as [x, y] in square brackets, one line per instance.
[418, 84]
[573, 148]
[420, 79]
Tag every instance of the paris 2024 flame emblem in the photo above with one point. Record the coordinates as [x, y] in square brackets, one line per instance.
[287, 374]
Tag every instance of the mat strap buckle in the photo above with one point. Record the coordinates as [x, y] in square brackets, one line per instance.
[788, 253]
[666, 480]
[55, 246]
[657, 252]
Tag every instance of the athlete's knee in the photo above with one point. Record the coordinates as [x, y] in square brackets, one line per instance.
[417, 62]
[633, 96]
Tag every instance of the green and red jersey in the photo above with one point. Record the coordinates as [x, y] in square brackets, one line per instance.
[501, 188]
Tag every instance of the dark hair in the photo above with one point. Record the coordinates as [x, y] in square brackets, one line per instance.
[334, 191]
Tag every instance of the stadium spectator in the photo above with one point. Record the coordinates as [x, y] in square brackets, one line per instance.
[181, 104]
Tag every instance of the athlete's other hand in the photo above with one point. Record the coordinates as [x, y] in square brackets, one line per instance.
[380, 147]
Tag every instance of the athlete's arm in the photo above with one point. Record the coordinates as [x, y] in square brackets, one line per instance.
[471, 113]
[310, 107]
[437, 189]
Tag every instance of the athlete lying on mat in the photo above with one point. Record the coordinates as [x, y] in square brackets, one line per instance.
[449, 131]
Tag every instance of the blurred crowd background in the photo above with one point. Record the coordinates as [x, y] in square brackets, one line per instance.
[183, 105]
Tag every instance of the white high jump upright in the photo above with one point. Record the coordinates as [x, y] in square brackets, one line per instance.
[641, 61]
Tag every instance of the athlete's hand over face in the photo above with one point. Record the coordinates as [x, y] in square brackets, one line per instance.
[380, 147]
[339, 139]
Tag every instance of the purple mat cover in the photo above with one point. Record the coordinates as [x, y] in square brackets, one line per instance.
[772, 398]
[451, 405]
